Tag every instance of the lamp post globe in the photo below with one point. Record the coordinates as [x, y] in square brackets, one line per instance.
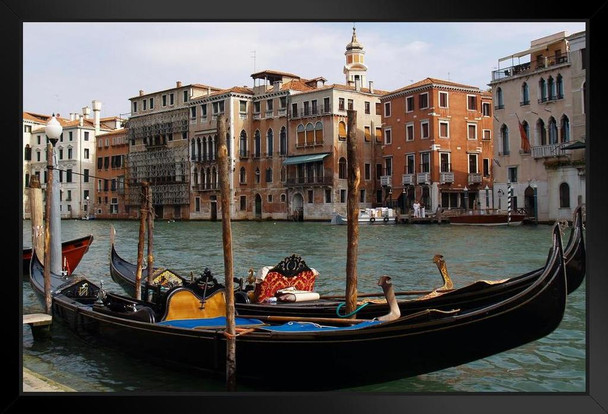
[53, 129]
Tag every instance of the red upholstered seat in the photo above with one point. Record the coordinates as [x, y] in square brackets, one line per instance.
[274, 281]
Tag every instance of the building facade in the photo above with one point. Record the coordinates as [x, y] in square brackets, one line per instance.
[539, 114]
[437, 145]
[75, 154]
[111, 179]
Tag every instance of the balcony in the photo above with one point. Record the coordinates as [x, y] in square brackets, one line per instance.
[423, 178]
[446, 177]
[309, 181]
[205, 187]
[408, 179]
[528, 68]
[548, 151]
[385, 181]
[474, 178]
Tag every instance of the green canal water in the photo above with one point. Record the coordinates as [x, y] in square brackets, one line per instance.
[555, 363]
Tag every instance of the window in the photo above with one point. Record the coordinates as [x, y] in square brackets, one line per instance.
[314, 107]
[310, 134]
[564, 195]
[243, 203]
[409, 132]
[204, 111]
[362, 196]
[283, 143]
[387, 137]
[486, 167]
[367, 171]
[378, 134]
[525, 94]
[342, 131]
[552, 131]
[565, 129]
[387, 109]
[473, 164]
[542, 88]
[424, 129]
[512, 174]
[444, 162]
[328, 195]
[388, 166]
[350, 104]
[257, 144]
[302, 138]
[341, 104]
[283, 102]
[367, 107]
[487, 134]
[425, 162]
[193, 112]
[243, 107]
[443, 99]
[218, 107]
[499, 99]
[242, 176]
[504, 138]
[342, 168]
[559, 86]
[343, 196]
[257, 175]
[410, 167]
[444, 129]
[325, 108]
[164, 99]
[294, 110]
[311, 198]
[268, 175]
[367, 133]
[306, 108]
[185, 97]
[269, 142]
[550, 89]
[151, 103]
[243, 144]
[86, 136]
[485, 109]
[472, 131]
[423, 100]
[171, 99]
[409, 104]
[472, 102]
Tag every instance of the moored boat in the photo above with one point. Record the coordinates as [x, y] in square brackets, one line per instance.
[481, 219]
[441, 298]
[320, 355]
[377, 215]
[72, 252]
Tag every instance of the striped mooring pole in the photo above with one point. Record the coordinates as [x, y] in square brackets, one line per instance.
[509, 198]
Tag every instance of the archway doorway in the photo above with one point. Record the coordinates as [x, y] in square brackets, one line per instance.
[298, 207]
[529, 202]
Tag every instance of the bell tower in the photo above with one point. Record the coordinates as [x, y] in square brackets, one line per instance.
[355, 69]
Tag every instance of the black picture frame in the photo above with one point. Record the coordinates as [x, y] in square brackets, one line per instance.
[595, 400]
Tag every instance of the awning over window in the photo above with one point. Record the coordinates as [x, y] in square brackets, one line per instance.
[575, 145]
[302, 159]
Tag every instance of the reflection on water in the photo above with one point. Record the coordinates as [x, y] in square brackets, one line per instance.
[404, 252]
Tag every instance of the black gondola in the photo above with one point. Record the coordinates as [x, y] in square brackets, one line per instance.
[305, 356]
[478, 293]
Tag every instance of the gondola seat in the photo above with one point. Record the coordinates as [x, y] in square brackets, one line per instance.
[183, 303]
[290, 272]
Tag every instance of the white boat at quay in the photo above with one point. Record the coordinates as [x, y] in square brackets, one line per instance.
[378, 215]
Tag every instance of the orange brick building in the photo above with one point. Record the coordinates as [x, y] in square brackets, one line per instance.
[437, 145]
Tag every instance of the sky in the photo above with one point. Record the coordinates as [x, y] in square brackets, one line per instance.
[112, 61]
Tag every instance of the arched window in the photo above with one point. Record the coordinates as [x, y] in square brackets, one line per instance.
[559, 87]
[342, 168]
[310, 134]
[552, 131]
[28, 153]
[204, 151]
[242, 176]
[193, 150]
[213, 178]
[541, 132]
[564, 195]
[499, 98]
[269, 142]
[565, 129]
[504, 137]
[208, 178]
[525, 94]
[301, 138]
[526, 129]
[243, 144]
[319, 133]
[342, 131]
[542, 89]
[551, 88]
[257, 144]
[283, 143]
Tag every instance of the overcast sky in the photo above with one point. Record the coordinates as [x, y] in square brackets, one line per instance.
[67, 65]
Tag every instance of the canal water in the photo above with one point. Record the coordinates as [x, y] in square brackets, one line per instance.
[555, 363]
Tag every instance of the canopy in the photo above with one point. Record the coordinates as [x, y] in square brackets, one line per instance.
[575, 145]
[301, 159]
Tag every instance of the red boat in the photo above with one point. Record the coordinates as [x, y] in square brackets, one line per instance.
[488, 219]
[71, 252]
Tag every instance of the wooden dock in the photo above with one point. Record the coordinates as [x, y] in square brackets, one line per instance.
[40, 323]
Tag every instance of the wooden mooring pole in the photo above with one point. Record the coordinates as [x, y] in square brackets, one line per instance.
[143, 214]
[352, 211]
[36, 217]
[226, 197]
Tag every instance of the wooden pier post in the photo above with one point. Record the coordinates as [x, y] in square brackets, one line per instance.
[226, 197]
[150, 213]
[36, 216]
[352, 211]
[143, 214]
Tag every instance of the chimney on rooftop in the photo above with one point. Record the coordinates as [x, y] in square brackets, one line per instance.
[371, 86]
[96, 115]
[72, 116]
[141, 92]
[178, 84]
[86, 111]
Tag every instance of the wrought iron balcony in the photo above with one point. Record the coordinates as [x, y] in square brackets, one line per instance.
[423, 178]
[310, 181]
[474, 178]
[547, 151]
[408, 179]
[446, 177]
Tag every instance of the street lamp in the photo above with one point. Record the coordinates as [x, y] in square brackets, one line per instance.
[466, 198]
[487, 197]
[87, 208]
[52, 227]
[500, 193]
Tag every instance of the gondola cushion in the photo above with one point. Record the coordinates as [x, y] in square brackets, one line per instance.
[274, 281]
